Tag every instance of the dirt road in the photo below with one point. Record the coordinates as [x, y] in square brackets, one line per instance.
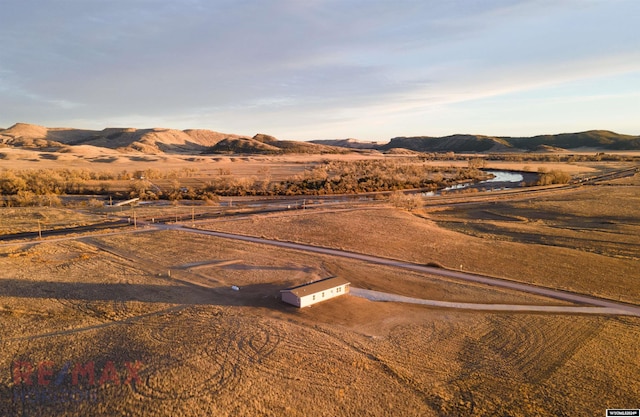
[383, 296]
[606, 306]
[595, 305]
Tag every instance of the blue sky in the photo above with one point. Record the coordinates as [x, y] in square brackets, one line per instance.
[315, 69]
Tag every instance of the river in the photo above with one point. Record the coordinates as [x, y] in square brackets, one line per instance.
[504, 176]
[502, 180]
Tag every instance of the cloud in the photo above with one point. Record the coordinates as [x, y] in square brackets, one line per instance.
[295, 65]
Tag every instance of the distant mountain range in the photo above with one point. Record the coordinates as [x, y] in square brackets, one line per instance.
[596, 139]
[153, 141]
[190, 141]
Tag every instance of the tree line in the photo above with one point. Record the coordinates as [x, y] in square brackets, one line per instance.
[45, 186]
[339, 177]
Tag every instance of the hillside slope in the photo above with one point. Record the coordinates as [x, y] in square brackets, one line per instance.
[156, 140]
[596, 139]
[265, 144]
[603, 139]
[453, 143]
[346, 143]
[190, 141]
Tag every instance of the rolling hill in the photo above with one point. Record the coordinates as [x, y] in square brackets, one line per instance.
[195, 141]
[152, 141]
[347, 143]
[602, 139]
[594, 139]
[265, 144]
[453, 143]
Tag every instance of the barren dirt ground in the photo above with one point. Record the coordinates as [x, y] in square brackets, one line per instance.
[147, 323]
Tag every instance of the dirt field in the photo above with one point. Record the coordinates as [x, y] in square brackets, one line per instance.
[146, 323]
[554, 252]
[29, 219]
[203, 348]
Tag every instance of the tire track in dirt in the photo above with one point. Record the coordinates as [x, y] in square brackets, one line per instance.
[181, 368]
[102, 310]
[387, 368]
[449, 396]
[304, 357]
[215, 351]
[100, 326]
[535, 346]
[518, 354]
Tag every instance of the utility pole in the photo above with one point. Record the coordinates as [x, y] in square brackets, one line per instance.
[193, 216]
[39, 230]
[135, 223]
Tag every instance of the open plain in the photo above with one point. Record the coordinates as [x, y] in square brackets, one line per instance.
[144, 321]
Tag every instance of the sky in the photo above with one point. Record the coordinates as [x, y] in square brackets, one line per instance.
[323, 69]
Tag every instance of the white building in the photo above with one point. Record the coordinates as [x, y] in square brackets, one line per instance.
[314, 292]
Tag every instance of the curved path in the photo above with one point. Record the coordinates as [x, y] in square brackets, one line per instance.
[383, 296]
[608, 306]
[597, 305]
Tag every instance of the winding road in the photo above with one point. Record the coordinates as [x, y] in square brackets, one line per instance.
[594, 305]
[523, 308]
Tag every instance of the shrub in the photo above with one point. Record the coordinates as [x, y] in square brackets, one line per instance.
[554, 177]
[405, 201]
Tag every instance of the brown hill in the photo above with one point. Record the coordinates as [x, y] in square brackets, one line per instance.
[347, 143]
[291, 146]
[400, 151]
[596, 139]
[242, 145]
[455, 143]
[549, 149]
[190, 141]
[27, 136]
[261, 137]
[155, 140]
[25, 130]
[265, 144]
[207, 137]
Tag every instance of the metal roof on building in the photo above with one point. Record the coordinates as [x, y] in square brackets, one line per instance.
[317, 286]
